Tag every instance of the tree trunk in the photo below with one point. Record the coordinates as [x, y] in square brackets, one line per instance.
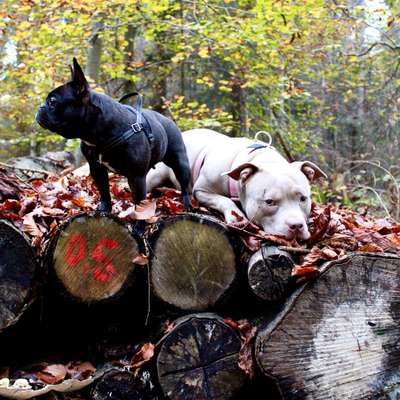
[130, 37]
[198, 360]
[337, 337]
[269, 273]
[92, 257]
[18, 274]
[94, 52]
[194, 262]
[239, 110]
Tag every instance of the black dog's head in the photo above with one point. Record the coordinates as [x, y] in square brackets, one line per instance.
[66, 107]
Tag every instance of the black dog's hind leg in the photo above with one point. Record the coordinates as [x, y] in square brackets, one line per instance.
[99, 174]
[176, 158]
[180, 165]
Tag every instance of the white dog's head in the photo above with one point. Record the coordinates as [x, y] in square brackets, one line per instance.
[277, 197]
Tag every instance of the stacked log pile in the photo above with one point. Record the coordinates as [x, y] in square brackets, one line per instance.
[194, 310]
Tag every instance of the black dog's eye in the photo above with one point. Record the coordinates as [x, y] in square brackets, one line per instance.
[52, 102]
[270, 202]
[303, 198]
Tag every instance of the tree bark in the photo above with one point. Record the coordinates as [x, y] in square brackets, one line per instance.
[198, 360]
[18, 274]
[194, 262]
[269, 273]
[239, 110]
[337, 337]
[130, 36]
[92, 257]
[94, 52]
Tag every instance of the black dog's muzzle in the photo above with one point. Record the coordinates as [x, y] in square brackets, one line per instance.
[47, 122]
[41, 117]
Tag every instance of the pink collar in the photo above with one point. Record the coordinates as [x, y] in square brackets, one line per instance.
[233, 186]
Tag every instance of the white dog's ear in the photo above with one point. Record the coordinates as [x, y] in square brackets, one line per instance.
[310, 170]
[242, 172]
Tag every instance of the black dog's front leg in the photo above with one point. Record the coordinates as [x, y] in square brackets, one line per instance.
[99, 174]
[137, 185]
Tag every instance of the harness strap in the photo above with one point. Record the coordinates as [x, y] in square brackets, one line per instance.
[233, 186]
[127, 96]
[140, 125]
[198, 165]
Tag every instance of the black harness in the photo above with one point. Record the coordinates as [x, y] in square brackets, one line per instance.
[141, 125]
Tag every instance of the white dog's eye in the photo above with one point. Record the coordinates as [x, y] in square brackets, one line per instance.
[303, 198]
[270, 202]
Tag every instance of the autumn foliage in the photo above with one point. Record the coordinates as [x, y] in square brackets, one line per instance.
[38, 207]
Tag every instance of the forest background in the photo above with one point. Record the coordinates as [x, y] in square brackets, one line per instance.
[322, 76]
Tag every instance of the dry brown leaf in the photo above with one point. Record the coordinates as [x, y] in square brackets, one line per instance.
[144, 354]
[141, 259]
[320, 219]
[246, 332]
[309, 272]
[370, 248]
[52, 374]
[30, 226]
[146, 209]
[329, 254]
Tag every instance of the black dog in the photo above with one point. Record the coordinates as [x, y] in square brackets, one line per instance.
[115, 136]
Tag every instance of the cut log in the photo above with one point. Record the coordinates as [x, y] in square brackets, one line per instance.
[338, 336]
[92, 256]
[269, 273]
[199, 358]
[18, 274]
[122, 385]
[194, 262]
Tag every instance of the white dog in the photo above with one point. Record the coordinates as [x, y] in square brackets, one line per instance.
[272, 192]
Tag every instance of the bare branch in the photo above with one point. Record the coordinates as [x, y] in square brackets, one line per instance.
[393, 48]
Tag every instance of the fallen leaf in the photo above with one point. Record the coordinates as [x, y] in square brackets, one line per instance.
[309, 272]
[246, 332]
[319, 224]
[52, 374]
[144, 354]
[146, 209]
[141, 259]
[370, 248]
[29, 225]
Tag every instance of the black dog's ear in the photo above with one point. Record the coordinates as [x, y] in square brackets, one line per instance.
[79, 81]
[72, 72]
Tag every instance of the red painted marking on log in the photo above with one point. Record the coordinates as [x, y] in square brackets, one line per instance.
[97, 254]
[76, 249]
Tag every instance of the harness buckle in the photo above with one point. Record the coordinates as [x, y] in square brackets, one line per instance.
[136, 127]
